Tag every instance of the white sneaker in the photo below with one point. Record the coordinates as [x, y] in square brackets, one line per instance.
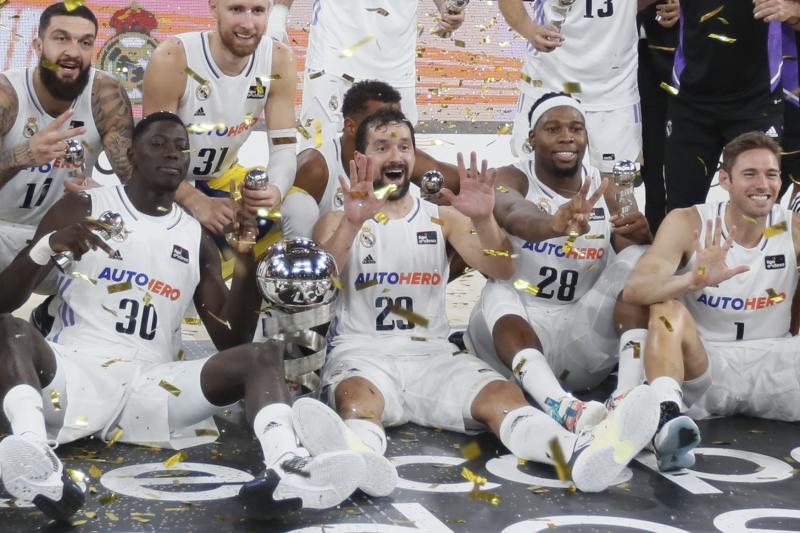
[321, 430]
[31, 472]
[601, 453]
[298, 482]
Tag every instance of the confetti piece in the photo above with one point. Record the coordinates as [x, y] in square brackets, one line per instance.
[460, 43]
[169, 387]
[471, 451]
[410, 316]
[76, 475]
[472, 477]
[175, 459]
[192, 321]
[593, 266]
[518, 368]
[366, 284]
[522, 285]
[496, 253]
[55, 397]
[722, 38]
[119, 287]
[105, 499]
[181, 355]
[557, 455]
[206, 433]
[90, 514]
[528, 79]
[774, 230]
[752, 220]
[114, 437]
[349, 78]
[72, 5]
[437, 221]
[381, 217]
[774, 297]
[147, 298]
[195, 76]
[218, 319]
[95, 472]
[315, 75]
[502, 188]
[317, 133]
[83, 277]
[337, 282]
[82, 421]
[385, 191]
[712, 14]
[723, 20]
[666, 323]
[505, 128]
[701, 271]
[637, 350]
[302, 131]
[76, 523]
[349, 51]
[572, 87]
[379, 10]
[419, 339]
[564, 375]
[669, 88]
[567, 247]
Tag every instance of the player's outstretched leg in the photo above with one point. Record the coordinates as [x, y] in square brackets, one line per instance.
[601, 453]
[321, 430]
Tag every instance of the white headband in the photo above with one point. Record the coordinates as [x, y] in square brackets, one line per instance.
[550, 103]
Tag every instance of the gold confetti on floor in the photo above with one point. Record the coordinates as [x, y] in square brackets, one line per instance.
[557, 455]
[114, 437]
[471, 451]
[175, 459]
[95, 472]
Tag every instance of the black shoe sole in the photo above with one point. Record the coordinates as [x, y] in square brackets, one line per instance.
[71, 500]
[258, 502]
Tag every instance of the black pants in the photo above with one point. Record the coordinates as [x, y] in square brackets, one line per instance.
[790, 161]
[697, 132]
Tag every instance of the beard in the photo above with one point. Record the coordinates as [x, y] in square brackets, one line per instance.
[228, 40]
[566, 172]
[63, 90]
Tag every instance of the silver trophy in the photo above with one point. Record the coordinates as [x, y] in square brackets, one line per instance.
[624, 174]
[559, 9]
[255, 179]
[112, 228]
[453, 7]
[74, 155]
[431, 184]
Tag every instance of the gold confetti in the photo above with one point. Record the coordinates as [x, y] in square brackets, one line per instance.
[381, 217]
[564, 375]
[385, 191]
[315, 75]
[567, 247]
[95, 472]
[89, 514]
[379, 10]
[76, 475]
[348, 52]
[75, 523]
[471, 451]
[774, 230]
[410, 316]
[72, 5]
[206, 433]
[572, 87]
[557, 455]
[181, 355]
[366, 284]
[528, 79]
[114, 437]
[460, 43]
[55, 397]
[594, 236]
[669, 88]
[218, 319]
[518, 368]
[522, 285]
[711, 14]
[83, 277]
[437, 221]
[105, 499]
[774, 297]
[593, 266]
[502, 188]
[192, 321]
[637, 350]
[337, 282]
[195, 76]
[701, 271]
[505, 128]
[169, 387]
[723, 20]
[419, 339]
[496, 253]
[112, 361]
[349, 78]
[303, 131]
[752, 220]
[119, 287]
[147, 298]
[82, 421]
[666, 323]
[317, 133]
[723, 38]
[175, 459]
[703, 164]
[472, 477]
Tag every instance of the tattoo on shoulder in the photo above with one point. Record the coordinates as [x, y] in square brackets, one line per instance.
[9, 105]
[113, 117]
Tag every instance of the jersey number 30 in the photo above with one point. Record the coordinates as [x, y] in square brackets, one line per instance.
[147, 321]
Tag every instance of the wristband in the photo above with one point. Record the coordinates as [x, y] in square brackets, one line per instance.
[40, 253]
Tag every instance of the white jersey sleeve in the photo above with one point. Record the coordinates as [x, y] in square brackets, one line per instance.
[598, 60]
[137, 299]
[755, 304]
[33, 191]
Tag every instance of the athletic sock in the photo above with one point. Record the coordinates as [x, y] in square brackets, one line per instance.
[631, 361]
[22, 406]
[527, 433]
[667, 390]
[364, 435]
[536, 377]
[275, 432]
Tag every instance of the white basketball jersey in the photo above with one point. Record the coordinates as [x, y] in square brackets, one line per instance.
[33, 191]
[221, 113]
[402, 263]
[364, 39]
[753, 305]
[598, 60]
[331, 151]
[562, 277]
[137, 301]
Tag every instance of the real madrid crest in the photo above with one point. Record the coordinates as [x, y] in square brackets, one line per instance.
[333, 103]
[544, 205]
[202, 92]
[31, 127]
[366, 237]
[338, 198]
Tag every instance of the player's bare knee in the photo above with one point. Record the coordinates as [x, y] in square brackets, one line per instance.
[629, 316]
[14, 332]
[357, 397]
[267, 354]
[495, 400]
[672, 310]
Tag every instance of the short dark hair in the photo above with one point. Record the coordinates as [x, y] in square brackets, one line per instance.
[155, 117]
[545, 97]
[60, 10]
[381, 117]
[751, 140]
[362, 92]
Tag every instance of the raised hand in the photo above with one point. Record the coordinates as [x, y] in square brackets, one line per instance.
[710, 266]
[574, 214]
[360, 202]
[48, 143]
[475, 198]
[545, 38]
[79, 238]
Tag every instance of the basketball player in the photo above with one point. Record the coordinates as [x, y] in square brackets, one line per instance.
[318, 168]
[63, 98]
[592, 56]
[111, 366]
[390, 361]
[221, 82]
[554, 319]
[718, 281]
[358, 40]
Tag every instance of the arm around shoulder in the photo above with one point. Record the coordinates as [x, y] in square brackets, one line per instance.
[165, 77]
[114, 119]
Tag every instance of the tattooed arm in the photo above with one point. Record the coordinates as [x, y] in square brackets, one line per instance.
[111, 109]
[12, 158]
